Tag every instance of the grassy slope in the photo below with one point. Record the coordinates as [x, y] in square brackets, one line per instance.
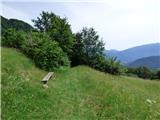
[79, 93]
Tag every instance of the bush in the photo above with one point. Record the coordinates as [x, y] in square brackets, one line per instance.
[142, 72]
[113, 66]
[45, 53]
[110, 65]
[158, 74]
[12, 38]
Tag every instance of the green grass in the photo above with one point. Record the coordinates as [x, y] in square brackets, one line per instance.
[79, 93]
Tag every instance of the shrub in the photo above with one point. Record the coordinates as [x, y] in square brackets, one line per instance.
[45, 53]
[156, 75]
[143, 72]
[110, 65]
[12, 38]
[113, 66]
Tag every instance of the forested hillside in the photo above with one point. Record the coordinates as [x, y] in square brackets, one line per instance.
[150, 62]
[14, 24]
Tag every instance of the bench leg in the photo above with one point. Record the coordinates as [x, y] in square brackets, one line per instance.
[45, 85]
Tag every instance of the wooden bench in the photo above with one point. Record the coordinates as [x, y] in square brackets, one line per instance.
[47, 77]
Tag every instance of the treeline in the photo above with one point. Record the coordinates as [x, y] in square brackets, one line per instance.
[53, 45]
[143, 72]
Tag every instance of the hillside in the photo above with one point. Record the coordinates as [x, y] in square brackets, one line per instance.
[151, 62]
[77, 93]
[132, 54]
[15, 24]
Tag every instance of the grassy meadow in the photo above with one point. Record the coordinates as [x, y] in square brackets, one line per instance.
[78, 93]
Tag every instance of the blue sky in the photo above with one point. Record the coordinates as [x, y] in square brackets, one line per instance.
[120, 23]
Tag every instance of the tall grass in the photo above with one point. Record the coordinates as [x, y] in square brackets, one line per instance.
[79, 93]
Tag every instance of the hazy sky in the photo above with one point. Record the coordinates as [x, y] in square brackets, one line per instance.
[120, 23]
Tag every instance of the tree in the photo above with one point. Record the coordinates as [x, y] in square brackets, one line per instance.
[88, 47]
[89, 50]
[57, 28]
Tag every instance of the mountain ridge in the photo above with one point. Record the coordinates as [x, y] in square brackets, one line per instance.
[16, 24]
[150, 62]
[131, 54]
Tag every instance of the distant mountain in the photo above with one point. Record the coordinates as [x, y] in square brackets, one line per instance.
[151, 62]
[132, 54]
[14, 23]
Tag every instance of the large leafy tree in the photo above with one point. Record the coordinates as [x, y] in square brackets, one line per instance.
[88, 48]
[57, 28]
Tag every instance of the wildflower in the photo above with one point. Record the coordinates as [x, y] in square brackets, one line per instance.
[150, 101]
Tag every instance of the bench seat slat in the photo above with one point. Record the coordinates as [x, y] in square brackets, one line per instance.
[48, 76]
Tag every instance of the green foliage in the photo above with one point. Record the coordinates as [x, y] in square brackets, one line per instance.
[142, 72]
[110, 65]
[88, 48]
[158, 74]
[57, 28]
[53, 44]
[38, 46]
[45, 53]
[12, 38]
[114, 67]
[80, 93]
